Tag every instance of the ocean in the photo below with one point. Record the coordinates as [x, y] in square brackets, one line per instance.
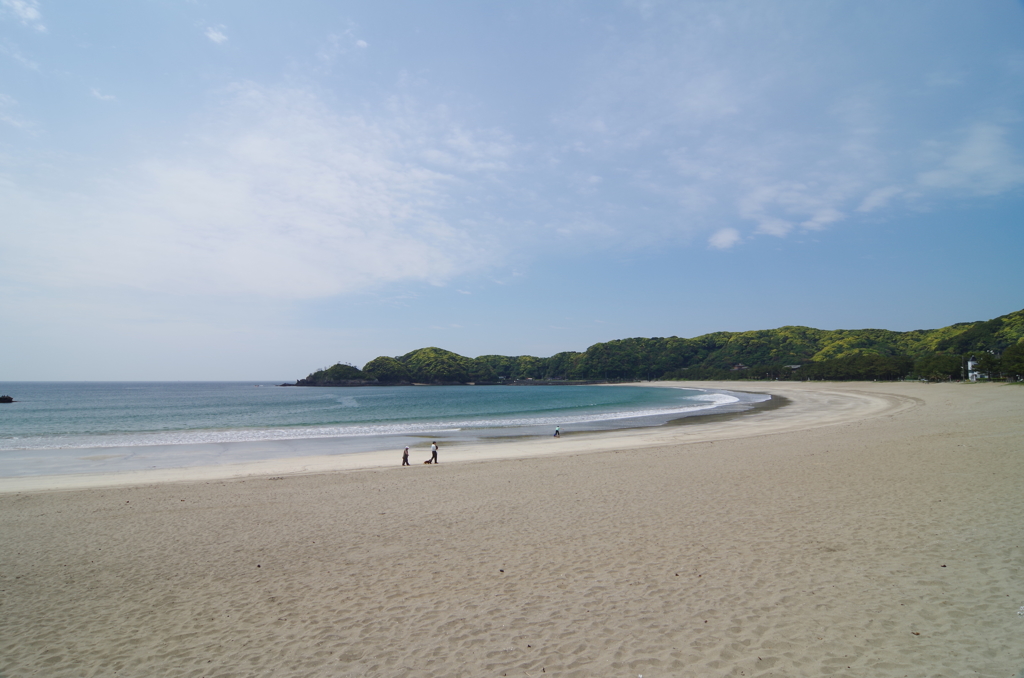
[83, 427]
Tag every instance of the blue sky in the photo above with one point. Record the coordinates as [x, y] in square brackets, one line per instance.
[248, 190]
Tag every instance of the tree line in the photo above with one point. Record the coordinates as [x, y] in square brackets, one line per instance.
[786, 353]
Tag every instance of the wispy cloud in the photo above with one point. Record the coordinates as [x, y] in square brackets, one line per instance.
[339, 44]
[26, 11]
[281, 198]
[14, 53]
[216, 35]
[719, 120]
[701, 126]
[983, 164]
[879, 198]
[724, 238]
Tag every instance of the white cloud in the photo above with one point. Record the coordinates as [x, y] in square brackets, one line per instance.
[216, 35]
[280, 198]
[724, 238]
[774, 207]
[879, 198]
[773, 226]
[27, 11]
[340, 44]
[102, 97]
[984, 164]
[821, 218]
[717, 119]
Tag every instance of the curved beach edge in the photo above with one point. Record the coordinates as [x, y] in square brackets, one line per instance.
[809, 405]
[861, 530]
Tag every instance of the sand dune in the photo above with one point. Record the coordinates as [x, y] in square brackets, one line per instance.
[865, 530]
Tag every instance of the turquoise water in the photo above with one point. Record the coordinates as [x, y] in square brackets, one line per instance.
[165, 420]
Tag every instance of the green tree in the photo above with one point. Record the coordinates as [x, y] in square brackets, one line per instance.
[511, 368]
[990, 365]
[565, 365]
[338, 373]
[434, 365]
[387, 370]
[977, 337]
[1013, 360]
[939, 367]
[824, 354]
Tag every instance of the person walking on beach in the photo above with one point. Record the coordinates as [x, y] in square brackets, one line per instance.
[433, 453]
[558, 433]
[405, 457]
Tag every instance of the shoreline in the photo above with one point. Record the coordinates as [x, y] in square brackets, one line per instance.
[235, 442]
[867, 529]
[709, 426]
[775, 402]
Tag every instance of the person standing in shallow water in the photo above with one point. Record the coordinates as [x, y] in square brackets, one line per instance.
[433, 453]
[405, 457]
[558, 433]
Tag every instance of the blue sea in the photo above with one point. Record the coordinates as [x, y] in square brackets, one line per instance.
[82, 427]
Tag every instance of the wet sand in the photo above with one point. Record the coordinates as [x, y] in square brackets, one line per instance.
[863, 530]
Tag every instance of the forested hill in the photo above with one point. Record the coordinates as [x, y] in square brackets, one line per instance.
[783, 353]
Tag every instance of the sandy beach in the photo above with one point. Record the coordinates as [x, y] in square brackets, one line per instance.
[865, 529]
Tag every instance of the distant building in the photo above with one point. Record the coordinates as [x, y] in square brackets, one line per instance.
[972, 369]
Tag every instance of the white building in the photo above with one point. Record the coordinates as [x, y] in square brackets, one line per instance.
[972, 370]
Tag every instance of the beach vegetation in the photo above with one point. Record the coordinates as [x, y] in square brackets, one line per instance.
[434, 365]
[940, 367]
[1013, 361]
[340, 373]
[990, 364]
[387, 370]
[785, 353]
